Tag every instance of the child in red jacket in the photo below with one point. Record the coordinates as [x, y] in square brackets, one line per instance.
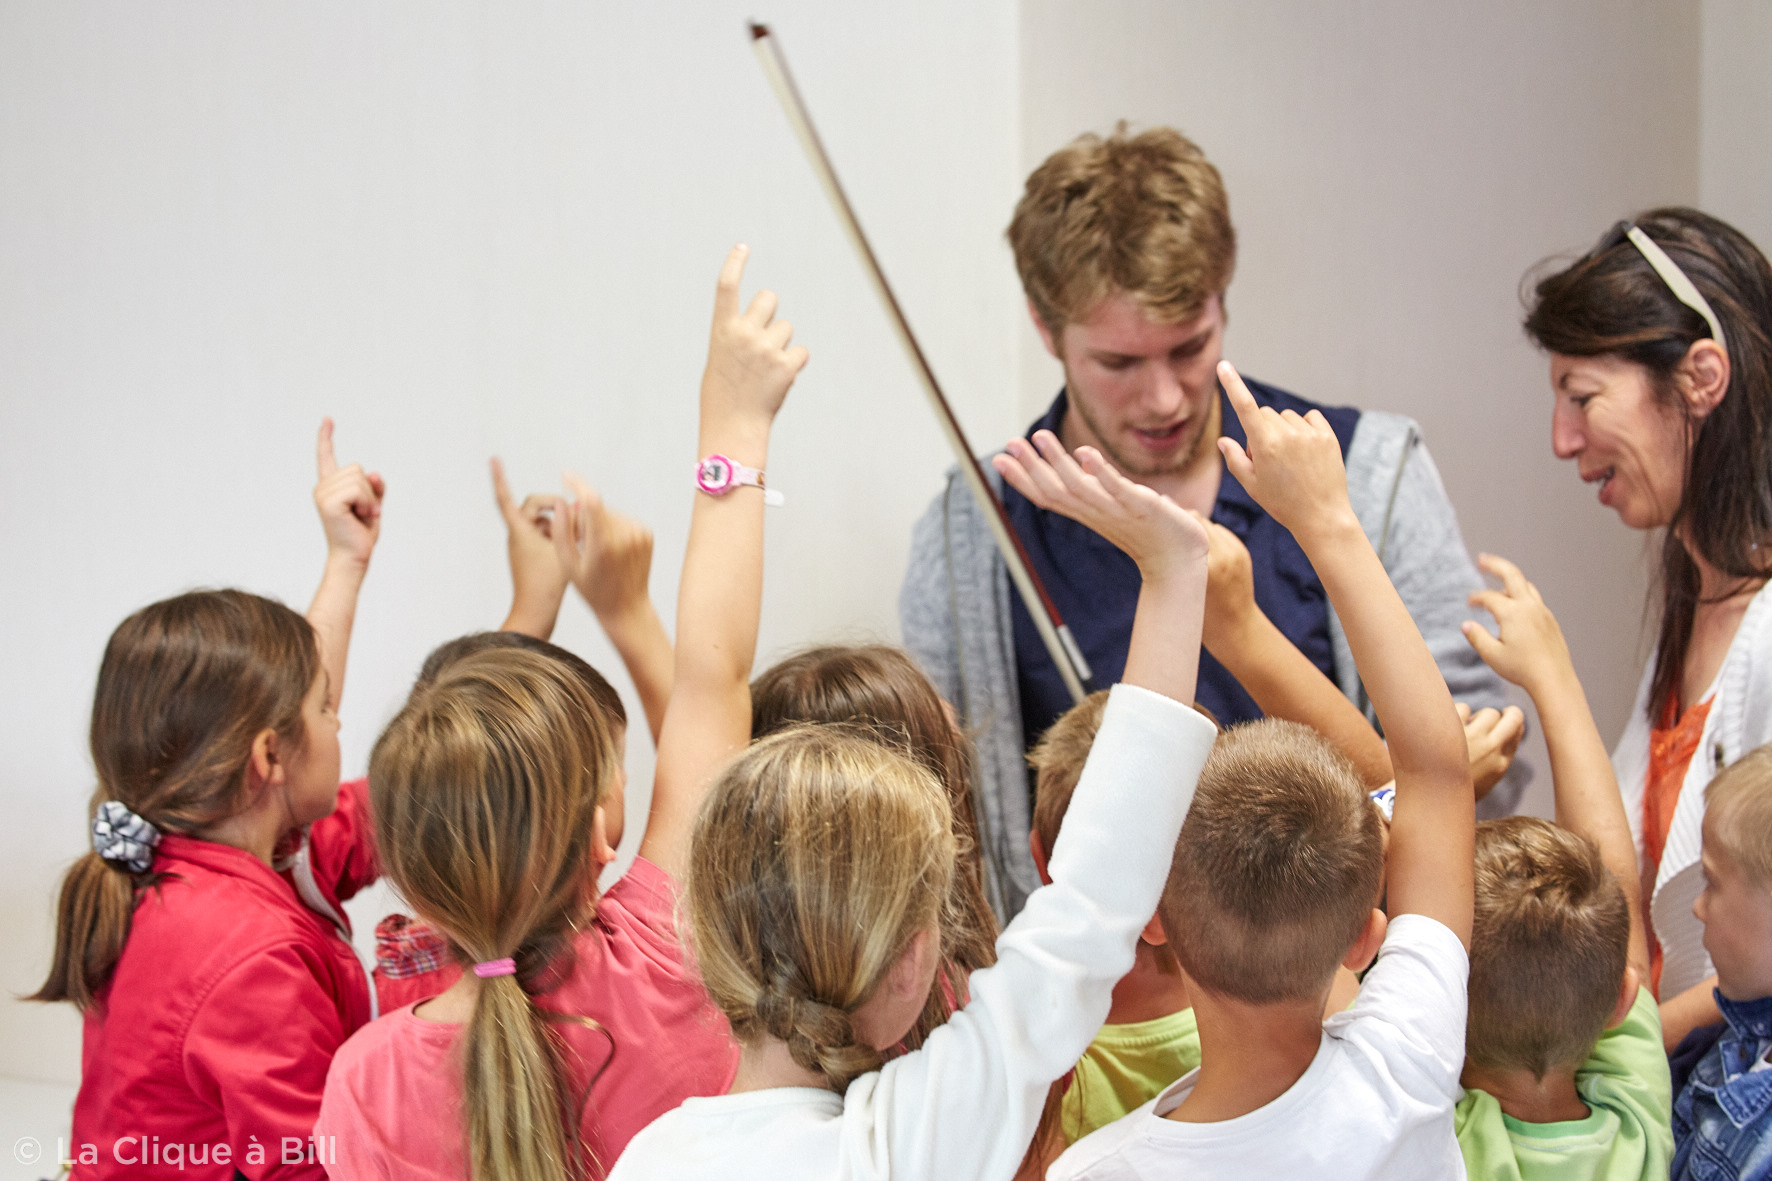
[202, 937]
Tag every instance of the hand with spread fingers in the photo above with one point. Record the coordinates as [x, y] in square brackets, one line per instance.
[1153, 530]
[538, 582]
[1530, 651]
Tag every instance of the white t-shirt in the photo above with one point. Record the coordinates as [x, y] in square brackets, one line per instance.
[965, 1106]
[1376, 1101]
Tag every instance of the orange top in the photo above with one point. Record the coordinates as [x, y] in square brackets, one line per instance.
[1672, 743]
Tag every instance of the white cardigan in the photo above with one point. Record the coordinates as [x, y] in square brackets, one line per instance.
[1740, 719]
[964, 1107]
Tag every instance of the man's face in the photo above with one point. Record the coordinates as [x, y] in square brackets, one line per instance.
[1147, 392]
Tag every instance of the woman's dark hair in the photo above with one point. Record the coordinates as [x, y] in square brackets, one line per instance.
[1611, 302]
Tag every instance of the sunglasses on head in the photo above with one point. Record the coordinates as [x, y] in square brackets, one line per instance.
[1683, 288]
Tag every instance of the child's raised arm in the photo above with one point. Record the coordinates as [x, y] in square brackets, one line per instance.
[1168, 543]
[1281, 679]
[608, 557]
[349, 502]
[537, 581]
[1292, 467]
[708, 720]
[1531, 652]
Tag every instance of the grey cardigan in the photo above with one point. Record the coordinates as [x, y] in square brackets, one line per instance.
[954, 612]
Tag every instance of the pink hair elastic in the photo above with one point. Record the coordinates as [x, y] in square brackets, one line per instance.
[504, 967]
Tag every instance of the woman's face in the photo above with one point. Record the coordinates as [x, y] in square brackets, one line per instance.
[1607, 419]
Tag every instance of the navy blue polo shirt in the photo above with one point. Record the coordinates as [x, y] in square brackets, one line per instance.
[1095, 585]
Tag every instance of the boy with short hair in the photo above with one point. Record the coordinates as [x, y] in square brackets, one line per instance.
[1565, 1075]
[1275, 883]
[1723, 1116]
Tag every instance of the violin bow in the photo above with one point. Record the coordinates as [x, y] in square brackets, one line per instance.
[1060, 644]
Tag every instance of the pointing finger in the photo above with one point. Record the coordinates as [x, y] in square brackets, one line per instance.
[328, 460]
[726, 289]
[1242, 401]
[501, 491]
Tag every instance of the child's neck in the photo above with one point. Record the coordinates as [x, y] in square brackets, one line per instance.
[1147, 992]
[1552, 1099]
[767, 1064]
[1250, 1055]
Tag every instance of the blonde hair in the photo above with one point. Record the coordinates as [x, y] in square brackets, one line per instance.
[1278, 866]
[880, 688]
[1550, 938]
[1142, 214]
[1738, 803]
[485, 789]
[815, 859]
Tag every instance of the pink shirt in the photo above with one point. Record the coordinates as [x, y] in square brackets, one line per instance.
[392, 1103]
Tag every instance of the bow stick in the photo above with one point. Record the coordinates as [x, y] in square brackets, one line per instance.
[1060, 644]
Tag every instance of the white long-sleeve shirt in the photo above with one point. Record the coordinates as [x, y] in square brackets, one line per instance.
[967, 1103]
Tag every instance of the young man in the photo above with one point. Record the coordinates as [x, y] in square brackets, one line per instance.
[1125, 249]
[1276, 881]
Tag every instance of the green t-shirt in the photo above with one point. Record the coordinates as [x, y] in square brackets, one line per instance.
[1627, 1136]
[1125, 1067]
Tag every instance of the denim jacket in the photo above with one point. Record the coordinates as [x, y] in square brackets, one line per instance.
[1723, 1116]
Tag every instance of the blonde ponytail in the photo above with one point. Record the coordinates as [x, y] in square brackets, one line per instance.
[484, 790]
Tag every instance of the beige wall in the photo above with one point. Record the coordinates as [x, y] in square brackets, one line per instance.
[1394, 168]
[1735, 161]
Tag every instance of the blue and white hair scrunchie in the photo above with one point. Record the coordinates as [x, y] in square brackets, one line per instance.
[123, 838]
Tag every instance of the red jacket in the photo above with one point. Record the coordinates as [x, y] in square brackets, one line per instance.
[209, 1048]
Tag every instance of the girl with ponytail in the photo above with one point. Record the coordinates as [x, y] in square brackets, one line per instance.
[578, 1018]
[201, 937]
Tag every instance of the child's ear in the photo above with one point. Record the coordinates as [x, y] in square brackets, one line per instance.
[1039, 855]
[1153, 933]
[601, 850]
[264, 765]
[1365, 948]
[1627, 998]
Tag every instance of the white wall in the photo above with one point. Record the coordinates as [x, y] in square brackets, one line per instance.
[1735, 153]
[1393, 169]
[463, 230]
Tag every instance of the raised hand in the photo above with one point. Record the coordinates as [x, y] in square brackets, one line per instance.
[606, 555]
[750, 365]
[1291, 465]
[1530, 651]
[538, 582]
[349, 502]
[1154, 531]
[1230, 585]
[1493, 736]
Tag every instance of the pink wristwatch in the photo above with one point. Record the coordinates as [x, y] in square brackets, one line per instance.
[719, 474]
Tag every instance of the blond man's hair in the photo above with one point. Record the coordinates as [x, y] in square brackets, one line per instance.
[485, 790]
[1057, 760]
[1550, 938]
[1278, 866]
[817, 857]
[1738, 803]
[1142, 214]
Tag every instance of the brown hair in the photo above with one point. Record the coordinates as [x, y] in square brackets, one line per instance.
[484, 789]
[881, 689]
[1611, 302]
[447, 653]
[1549, 943]
[1738, 804]
[183, 688]
[1142, 214]
[816, 858]
[1058, 759]
[1278, 866]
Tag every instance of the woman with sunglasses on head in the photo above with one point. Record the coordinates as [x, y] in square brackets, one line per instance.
[1661, 365]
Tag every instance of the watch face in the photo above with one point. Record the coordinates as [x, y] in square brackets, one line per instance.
[714, 474]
